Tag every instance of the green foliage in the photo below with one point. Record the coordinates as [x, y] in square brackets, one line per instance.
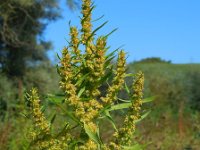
[22, 23]
[171, 83]
[7, 90]
[175, 113]
[82, 105]
[194, 88]
[44, 77]
[7, 95]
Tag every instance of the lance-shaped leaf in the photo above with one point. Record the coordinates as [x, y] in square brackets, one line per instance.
[110, 119]
[133, 147]
[149, 99]
[143, 116]
[81, 92]
[53, 117]
[92, 135]
[98, 18]
[111, 32]
[79, 82]
[92, 34]
[120, 106]
[126, 88]
[55, 99]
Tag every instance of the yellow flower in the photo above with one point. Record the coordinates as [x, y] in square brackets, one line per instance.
[40, 121]
[74, 45]
[118, 80]
[125, 133]
[89, 145]
[86, 21]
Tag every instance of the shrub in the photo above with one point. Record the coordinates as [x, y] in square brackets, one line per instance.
[82, 76]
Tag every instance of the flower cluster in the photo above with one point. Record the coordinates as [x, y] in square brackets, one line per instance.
[118, 80]
[123, 137]
[39, 119]
[74, 44]
[86, 21]
[41, 135]
[95, 64]
[82, 74]
[90, 145]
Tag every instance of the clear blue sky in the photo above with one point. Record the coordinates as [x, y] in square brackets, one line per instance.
[169, 29]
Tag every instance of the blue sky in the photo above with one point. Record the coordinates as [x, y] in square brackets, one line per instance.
[169, 29]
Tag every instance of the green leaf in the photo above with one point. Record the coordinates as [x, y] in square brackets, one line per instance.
[79, 82]
[133, 147]
[53, 118]
[123, 100]
[120, 106]
[68, 113]
[55, 99]
[105, 108]
[64, 130]
[98, 134]
[111, 54]
[24, 115]
[85, 98]
[92, 34]
[87, 15]
[110, 119]
[127, 89]
[92, 135]
[107, 63]
[111, 32]
[74, 143]
[71, 116]
[149, 99]
[107, 48]
[58, 69]
[107, 76]
[143, 116]
[43, 108]
[130, 75]
[146, 100]
[58, 56]
[126, 105]
[81, 91]
[98, 18]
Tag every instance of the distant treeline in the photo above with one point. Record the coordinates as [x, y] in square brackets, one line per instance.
[153, 60]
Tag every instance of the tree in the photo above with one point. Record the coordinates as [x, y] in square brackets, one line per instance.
[22, 23]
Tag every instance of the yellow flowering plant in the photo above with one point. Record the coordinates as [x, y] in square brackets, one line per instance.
[83, 73]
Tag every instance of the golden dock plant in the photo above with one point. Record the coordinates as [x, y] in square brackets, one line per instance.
[83, 73]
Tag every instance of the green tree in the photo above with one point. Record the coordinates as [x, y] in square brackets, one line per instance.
[22, 23]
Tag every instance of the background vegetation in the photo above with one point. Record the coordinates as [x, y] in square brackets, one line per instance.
[174, 117]
[174, 122]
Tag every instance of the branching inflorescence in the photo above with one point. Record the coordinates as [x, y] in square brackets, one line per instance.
[83, 73]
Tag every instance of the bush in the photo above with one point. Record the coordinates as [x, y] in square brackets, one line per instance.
[83, 106]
